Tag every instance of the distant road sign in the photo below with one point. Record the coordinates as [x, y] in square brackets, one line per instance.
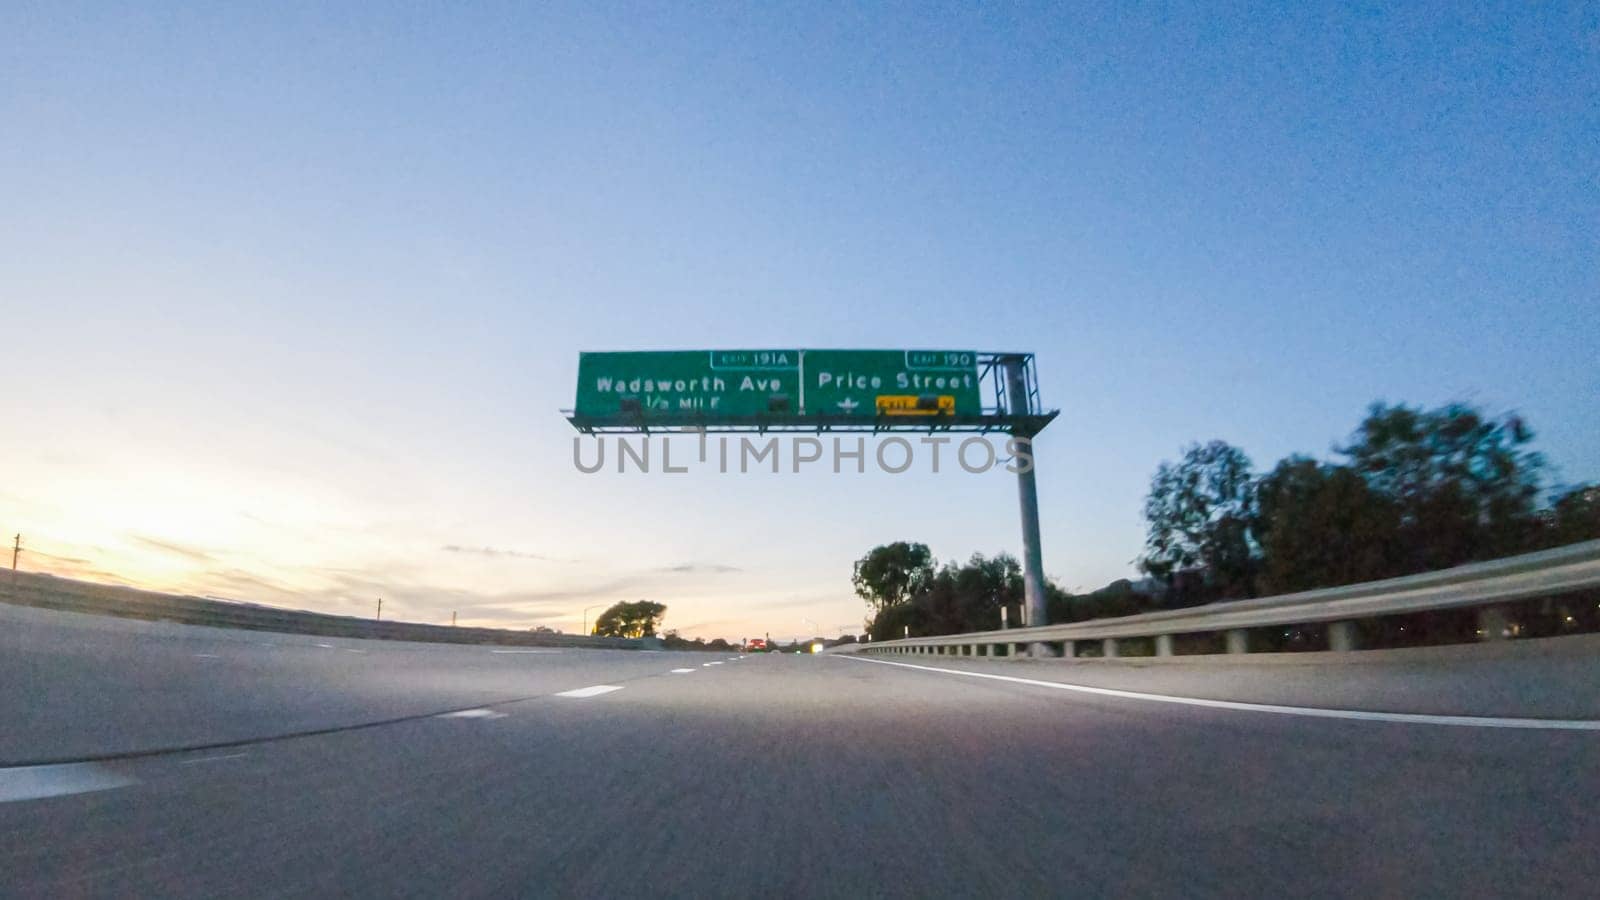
[781, 384]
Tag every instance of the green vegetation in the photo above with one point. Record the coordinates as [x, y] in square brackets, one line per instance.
[673, 641]
[1412, 490]
[905, 589]
[630, 620]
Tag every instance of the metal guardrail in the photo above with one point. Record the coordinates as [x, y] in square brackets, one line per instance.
[82, 597]
[1483, 585]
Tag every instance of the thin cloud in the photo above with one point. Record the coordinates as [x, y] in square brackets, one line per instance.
[500, 553]
[701, 626]
[517, 604]
[177, 549]
[701, 568]
[787, 601]
[70, 560]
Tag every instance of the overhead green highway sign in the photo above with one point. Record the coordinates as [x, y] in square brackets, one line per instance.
[780, 384]
[825, 390]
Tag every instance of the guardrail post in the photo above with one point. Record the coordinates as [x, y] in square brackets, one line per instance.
[1238, 640]
[1109, 646]
[1163, 645]
[1342, 637]
[1069, 649]
[1493, 624]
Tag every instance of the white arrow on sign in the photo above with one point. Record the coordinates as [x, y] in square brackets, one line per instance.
[847, 404]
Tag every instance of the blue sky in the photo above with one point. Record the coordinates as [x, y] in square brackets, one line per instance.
[290, 297]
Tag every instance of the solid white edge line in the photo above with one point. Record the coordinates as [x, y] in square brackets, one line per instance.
[591, 691]
[1308, 711]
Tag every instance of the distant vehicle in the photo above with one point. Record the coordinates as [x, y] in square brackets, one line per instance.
[755, 645]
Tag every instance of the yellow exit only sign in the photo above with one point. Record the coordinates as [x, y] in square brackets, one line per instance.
[914, 405]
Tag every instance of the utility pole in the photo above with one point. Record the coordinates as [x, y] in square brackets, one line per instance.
[452, 618]
[16, 548]
[380, 609]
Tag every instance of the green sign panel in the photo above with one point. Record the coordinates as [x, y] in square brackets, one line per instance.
[782, 384]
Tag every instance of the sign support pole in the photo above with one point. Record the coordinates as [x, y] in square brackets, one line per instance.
[1033, 610]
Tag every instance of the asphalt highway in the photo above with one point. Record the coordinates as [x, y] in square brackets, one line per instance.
[149, 759]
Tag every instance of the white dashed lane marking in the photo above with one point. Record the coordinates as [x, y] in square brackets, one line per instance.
[591, 691]
[206, 656]
[35, 782]
[684, 671]
[472, 714]
[524, 651]
[206, 759]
